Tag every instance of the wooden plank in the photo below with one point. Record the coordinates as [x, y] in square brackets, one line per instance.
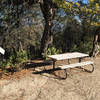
[68, 56]
[76, 64]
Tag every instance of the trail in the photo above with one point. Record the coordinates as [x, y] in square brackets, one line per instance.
[28, 86]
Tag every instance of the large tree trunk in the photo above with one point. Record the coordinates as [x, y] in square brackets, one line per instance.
[95, 49]
[48, 12]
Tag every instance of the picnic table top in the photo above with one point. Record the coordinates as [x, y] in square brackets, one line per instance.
[68, 56]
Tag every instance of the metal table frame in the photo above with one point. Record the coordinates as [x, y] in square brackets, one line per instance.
[78, 55]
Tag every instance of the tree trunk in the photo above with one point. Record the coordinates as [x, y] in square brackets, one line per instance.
[95, 49]
[48, 12]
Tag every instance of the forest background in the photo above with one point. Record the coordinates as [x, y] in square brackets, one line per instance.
[22, 28]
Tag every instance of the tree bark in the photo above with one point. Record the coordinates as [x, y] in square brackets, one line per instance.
[95, 49]
[48, 12]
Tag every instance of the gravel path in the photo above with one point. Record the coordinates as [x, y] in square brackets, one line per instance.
[79, 86]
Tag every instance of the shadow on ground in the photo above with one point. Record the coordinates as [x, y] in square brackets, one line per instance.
[37, 64]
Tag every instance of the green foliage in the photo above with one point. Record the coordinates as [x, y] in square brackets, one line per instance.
[32, 54]
[84, 46]
[3, 64]
[52, 51]
[91, 10]
[14, 58]
[21, 56]
[30, 35]
[75, 48]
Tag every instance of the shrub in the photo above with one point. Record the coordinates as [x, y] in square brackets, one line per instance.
[14, 58]
[21, 56]
[52, 51]
[84, 46]
[3, 64]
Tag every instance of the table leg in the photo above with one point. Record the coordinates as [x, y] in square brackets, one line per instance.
[92, 65]
[68, 61]
[63, 78]
[54, 62]
[65, 73]
[80, 59]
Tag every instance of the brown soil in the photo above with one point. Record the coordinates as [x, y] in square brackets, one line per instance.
[33, 83]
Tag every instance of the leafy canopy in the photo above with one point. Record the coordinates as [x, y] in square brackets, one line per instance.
[92, 9]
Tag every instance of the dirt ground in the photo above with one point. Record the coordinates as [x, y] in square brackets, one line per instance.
[27, 85]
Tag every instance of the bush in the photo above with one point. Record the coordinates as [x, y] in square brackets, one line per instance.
[52, 51]
[14, 58]
[84, 46]
[21, 56]
[3, 64]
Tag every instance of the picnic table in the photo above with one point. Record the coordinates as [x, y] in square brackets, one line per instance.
[68, 56]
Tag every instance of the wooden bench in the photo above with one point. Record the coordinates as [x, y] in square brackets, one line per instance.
[77, 64]
[80, 64]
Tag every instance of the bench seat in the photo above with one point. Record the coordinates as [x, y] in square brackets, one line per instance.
[76, 65]
[64, 67]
